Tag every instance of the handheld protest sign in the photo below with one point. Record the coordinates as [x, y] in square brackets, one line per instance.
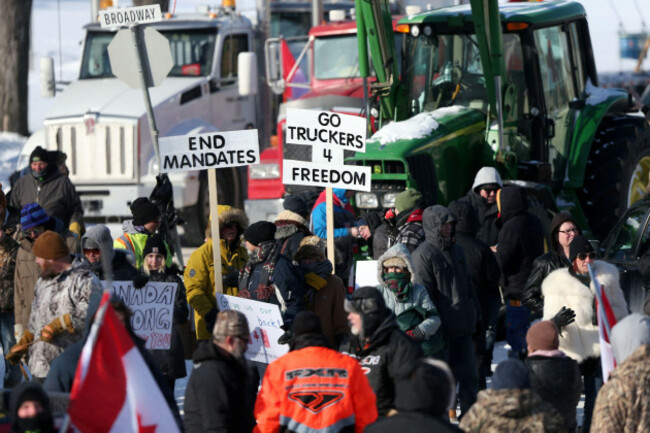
[210, 151]
[334, 130]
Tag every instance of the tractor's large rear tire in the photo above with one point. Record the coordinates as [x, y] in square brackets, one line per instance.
[617, 171]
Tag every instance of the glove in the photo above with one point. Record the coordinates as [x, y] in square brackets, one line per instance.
[56, 327]
[415, 333]
[20, 349]
[140, 281]
[231, 279]
[18, 331]
[563, 318]
[75, 227]
[210, 319]
[286, 337]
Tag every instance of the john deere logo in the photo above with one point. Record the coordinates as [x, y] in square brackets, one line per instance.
[376, 169]
[315, 401]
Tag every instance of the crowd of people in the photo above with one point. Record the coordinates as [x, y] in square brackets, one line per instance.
[404, 353]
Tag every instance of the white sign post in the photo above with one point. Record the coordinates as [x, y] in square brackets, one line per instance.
[330, 134]
[264, 323]
[210, 151]
[153, 310]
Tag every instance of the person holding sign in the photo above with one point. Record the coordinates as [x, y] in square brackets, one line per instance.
[145, 222]
[271, 278]
[199, 273]
[170, 361]
[345, 230]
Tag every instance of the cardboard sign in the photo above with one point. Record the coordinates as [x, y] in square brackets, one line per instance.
[366, 274]
[340, 131]
[153, 310]
[264, 321]
[335, 176]
[128, 16]
[211, 150]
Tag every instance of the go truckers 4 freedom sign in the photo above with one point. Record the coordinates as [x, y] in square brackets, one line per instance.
[210, 150]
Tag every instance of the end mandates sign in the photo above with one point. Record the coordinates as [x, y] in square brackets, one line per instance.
[210, 150]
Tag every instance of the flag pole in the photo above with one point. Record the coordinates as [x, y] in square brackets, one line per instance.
[601, 307]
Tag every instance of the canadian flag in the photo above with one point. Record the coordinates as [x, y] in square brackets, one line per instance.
[113, 389]
[605, 321]
[288, 63]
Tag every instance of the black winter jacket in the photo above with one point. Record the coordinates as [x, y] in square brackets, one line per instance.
[123, 270]
[521, 240]
[441, 268]
[387, 355]
[557, 381]
[542, 266]
[487, 215]
[412, 422]
[218, 397]
[171, 362]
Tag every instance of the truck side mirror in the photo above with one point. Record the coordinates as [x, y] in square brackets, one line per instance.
[274, 76]
[48, 85]
[247, 73]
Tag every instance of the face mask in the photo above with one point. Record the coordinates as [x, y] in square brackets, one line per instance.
[38, 175]
[35, 424]
[398, 283]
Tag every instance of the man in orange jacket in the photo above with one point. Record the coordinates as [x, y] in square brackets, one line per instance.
[314, 388]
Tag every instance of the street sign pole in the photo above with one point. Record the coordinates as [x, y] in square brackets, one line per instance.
[141, 61]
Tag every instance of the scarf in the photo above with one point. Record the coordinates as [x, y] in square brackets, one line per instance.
[262, 254]
[399, 283]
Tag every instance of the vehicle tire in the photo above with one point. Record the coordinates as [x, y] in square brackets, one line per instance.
[617, 171]
[198, 220]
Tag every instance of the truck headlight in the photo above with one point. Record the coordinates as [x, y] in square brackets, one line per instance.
[366, 200]
[265, 171]
[388, 200]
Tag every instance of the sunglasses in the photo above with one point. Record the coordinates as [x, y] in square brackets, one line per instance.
[583, 256]
[490, 190]
[95, 251]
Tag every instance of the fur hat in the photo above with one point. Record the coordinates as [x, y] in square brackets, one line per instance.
[578, 245]
[543, 336]
[32, 215]
[50, 245]
[291, 217]
[397, 262]
[155, 244]
[259, 232]
[310, 252]
[144, 211]
[409, 199]
[231, 215]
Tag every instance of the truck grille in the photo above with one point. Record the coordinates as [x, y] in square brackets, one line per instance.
[108, 154]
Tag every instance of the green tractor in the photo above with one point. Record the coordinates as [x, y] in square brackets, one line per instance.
[512, 86]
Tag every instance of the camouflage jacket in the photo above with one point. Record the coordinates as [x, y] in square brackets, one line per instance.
[68, 292]
[8, 251]
[623, 403]
[511, 410]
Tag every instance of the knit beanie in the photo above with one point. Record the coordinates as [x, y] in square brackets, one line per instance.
[409, 199]
[306, 322]
[511, 374]
[38, 154]
[32, 215]
[578, 245]
[154, 244]
[429, 389]
[297, 205]
[50, 245]
[259, 232]
[543, 336]
[292, 217]
[144, 211]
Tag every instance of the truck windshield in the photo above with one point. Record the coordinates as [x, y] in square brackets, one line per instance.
[192, 52]
[333, 57]
[443, 70]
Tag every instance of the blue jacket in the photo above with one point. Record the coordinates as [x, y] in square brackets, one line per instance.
[343, 215]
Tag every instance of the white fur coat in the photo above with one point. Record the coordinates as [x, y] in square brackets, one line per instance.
[579, 340]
